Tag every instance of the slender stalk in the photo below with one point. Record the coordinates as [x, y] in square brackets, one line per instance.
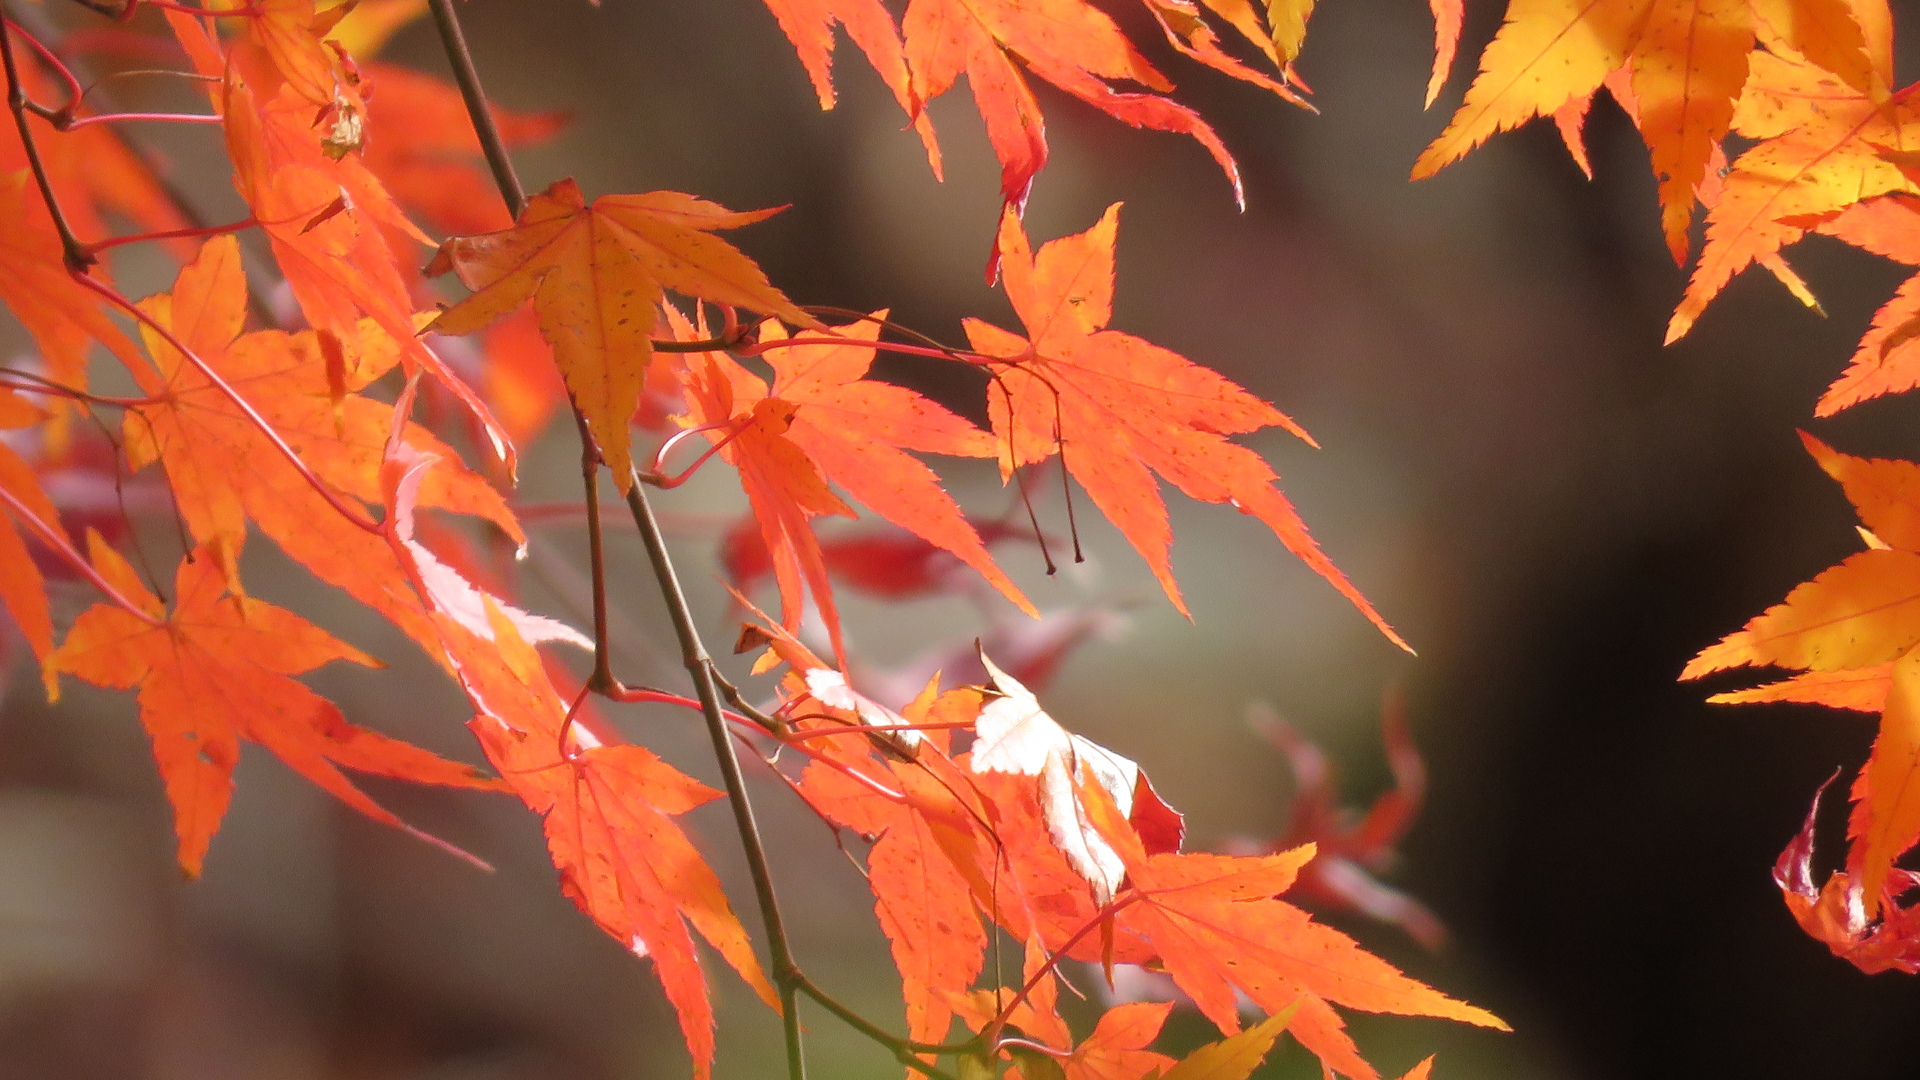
[66, 123]
[898, 1045]
[699, 665]
[50, 535]
[602, 679]
[713, 344]
[464, 73]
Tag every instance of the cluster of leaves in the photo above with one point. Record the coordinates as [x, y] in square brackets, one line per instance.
[324, 417]
[1808, 87]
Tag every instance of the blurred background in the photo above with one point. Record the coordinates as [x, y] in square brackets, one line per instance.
[1555, 510]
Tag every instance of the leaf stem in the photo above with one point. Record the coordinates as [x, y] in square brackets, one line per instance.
[49, 534]
[700, 667]
[941, 353]
[905, 1049]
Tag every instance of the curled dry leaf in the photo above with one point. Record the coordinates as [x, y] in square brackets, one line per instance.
[1014, 735]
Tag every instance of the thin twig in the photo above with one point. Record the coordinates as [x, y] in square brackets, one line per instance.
[699, 665]
[72, 251]
[34, 25]
[906, 1050]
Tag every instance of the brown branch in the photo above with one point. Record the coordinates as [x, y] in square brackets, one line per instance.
[72, 251]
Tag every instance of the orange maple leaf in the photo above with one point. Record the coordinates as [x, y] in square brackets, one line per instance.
[64, 317]
[1193, 36]
[1887, 360]
[1546, 53]
[608, 808]
[783, 485]
[1854, 627]
[1219, 928]
[1117, 1049]
[1822, 149]
[823, 420]
[809, 25]
[216, 671]
[223, 470]
[1069, 43]
[608, 811]
[325, 215]
[595, 274]
[1684, 63]
[923, 901]
[22, 588]
[1120, 410]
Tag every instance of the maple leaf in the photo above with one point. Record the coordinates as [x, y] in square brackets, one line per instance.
[1014, 735]
[1822, 149]
[224, 471]
[1220, 930]
[1863, 612]
[1070, 44]
[325, 215]
[1862, 616]
[1685, 65]
[218, 670]
[855, 430]
[924, 902]
[63, 316]
[1885, 361]
[1193, 36]
[1120, 410]
[1117, 1049]
[809, 25]
[22, 588]
[608, 808]
[1352, 849]
[608, 811]
[1546, 53]
[1836, 914]
[595, 274]
[784, 488]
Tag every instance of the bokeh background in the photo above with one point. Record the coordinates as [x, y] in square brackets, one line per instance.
[1553, 508]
